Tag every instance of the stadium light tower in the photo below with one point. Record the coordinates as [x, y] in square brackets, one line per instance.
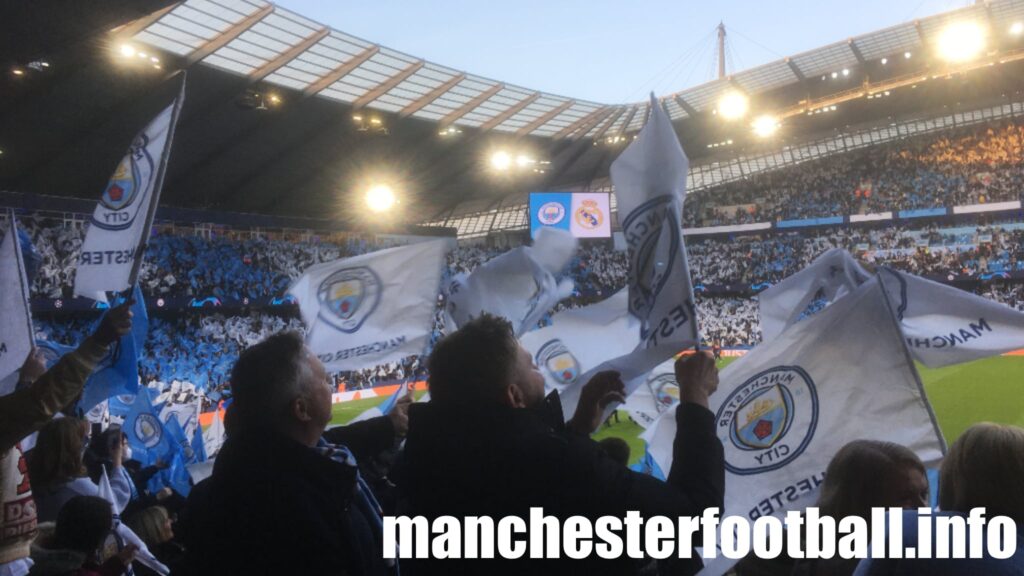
[501, 161]
[961, 41]
[733, 105]
[766, 125]
[380, 198]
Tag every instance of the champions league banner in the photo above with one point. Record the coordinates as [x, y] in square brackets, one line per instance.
[784, 410]
[650, 183]
[125, 210]
[16, 335]
[371, 309]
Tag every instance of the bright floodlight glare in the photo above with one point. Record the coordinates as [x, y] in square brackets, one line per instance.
[380, 198]
[733, 105]
[1017, 28]
[523, 161]
[961, 41]
[765, 126]
[501, 161]
[127, 50]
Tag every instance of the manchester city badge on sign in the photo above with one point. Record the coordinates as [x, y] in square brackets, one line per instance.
[551, 213]
[559, 363]
[768, 421]
[118, 207]
[348, 297]
[664, 390]
[148, 430]
[589, 215]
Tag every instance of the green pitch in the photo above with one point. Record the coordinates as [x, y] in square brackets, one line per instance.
[985, 390]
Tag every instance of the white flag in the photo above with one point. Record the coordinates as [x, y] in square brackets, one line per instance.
[371, 309]
[124, 534]
[213, 435]
[657, 393]
[518, 285]
[944, 325]
[579, 342]
[784, 410]
[650, 184]
[831, 275]
[125, 211]
[16, 336]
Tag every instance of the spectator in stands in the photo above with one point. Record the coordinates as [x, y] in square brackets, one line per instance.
[490, 444]
[40, 394]
[154, 526]
[281, 500]
[72, 547]
[58, 471]
[983, 469]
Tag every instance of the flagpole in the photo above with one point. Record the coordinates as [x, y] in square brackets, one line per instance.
[158, 188]
[22, 280]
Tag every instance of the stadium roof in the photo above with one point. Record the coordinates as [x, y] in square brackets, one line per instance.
[65, 126]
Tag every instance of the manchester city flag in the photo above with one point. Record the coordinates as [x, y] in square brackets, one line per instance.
[125, 211]
[784, 410]
[146, 434]
[650, 184]
[371, 309]
[118, 372]
[16, 328]
[657, 393]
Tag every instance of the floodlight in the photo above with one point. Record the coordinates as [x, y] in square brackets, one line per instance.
[733, 105]
[961, 41]
[380, 198]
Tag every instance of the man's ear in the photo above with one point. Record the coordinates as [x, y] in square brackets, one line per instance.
[513, 397]
[300, 409]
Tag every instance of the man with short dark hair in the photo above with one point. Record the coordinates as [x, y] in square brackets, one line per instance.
[281, 500]
[491, 444]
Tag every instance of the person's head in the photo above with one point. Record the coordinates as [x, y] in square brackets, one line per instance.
[985, 468]
[83, 523]
[279, 383]
[104, 444]
[153, 525]
[869, 473]
[482, 362]
[616, 448]
[57, 456]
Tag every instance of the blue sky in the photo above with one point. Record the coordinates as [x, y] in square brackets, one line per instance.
[603, 50]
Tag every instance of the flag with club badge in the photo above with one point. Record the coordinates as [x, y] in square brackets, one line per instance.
[371, 309]
[657, 393]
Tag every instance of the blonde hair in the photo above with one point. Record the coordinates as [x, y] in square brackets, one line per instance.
[149, 525]
[985, 468]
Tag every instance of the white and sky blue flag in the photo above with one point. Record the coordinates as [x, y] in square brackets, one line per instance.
[374, 308]
[16, 336]
[519, 285]
[122, 216]
[657, 392]
[650, 184]
[784, 410]
[942, 325]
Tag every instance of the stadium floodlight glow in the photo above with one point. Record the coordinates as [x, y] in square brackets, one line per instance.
[523, 161]
[906, 55]
[766, 125]
[885, 61]
[733, 105]
[961, 41]
[127, 50]
[380, 198]
[18, 71]
[501, 161]
[1017, 28]
[846, 71]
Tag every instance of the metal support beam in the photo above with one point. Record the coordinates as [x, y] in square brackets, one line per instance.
[225, 37]
[585, 123]
[515, 109]
[429, 97]
[469, 106]
[138, 25]
[341, 71]
[796, 70]
[386, 86]
[856, 51]
[629, 118]
[547, 117]
[690, 110]
[920, 34]
[289, 55]
[608, 124]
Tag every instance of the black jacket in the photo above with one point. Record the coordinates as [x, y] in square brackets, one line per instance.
[498, 461]
[275, 506]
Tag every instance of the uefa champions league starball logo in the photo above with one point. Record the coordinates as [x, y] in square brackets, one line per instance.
[348, 297]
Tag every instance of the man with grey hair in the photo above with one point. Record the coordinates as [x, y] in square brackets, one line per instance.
[282, 500]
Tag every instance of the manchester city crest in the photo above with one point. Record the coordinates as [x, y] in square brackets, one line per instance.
[559, 363]
[148, 430]
[122, 188]
[768, 421]
[551, 213]
[664, 390]
[348, 297]
[652, 256]
[131, 180]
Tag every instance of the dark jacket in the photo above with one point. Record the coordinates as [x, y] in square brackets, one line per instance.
[275, 506]
[498, 461]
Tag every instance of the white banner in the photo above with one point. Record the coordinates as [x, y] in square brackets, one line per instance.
[374, 308]
[16, 336]
[123, 214]
[784, 410]
[650, 183]
[657, 393]
[518, 285]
